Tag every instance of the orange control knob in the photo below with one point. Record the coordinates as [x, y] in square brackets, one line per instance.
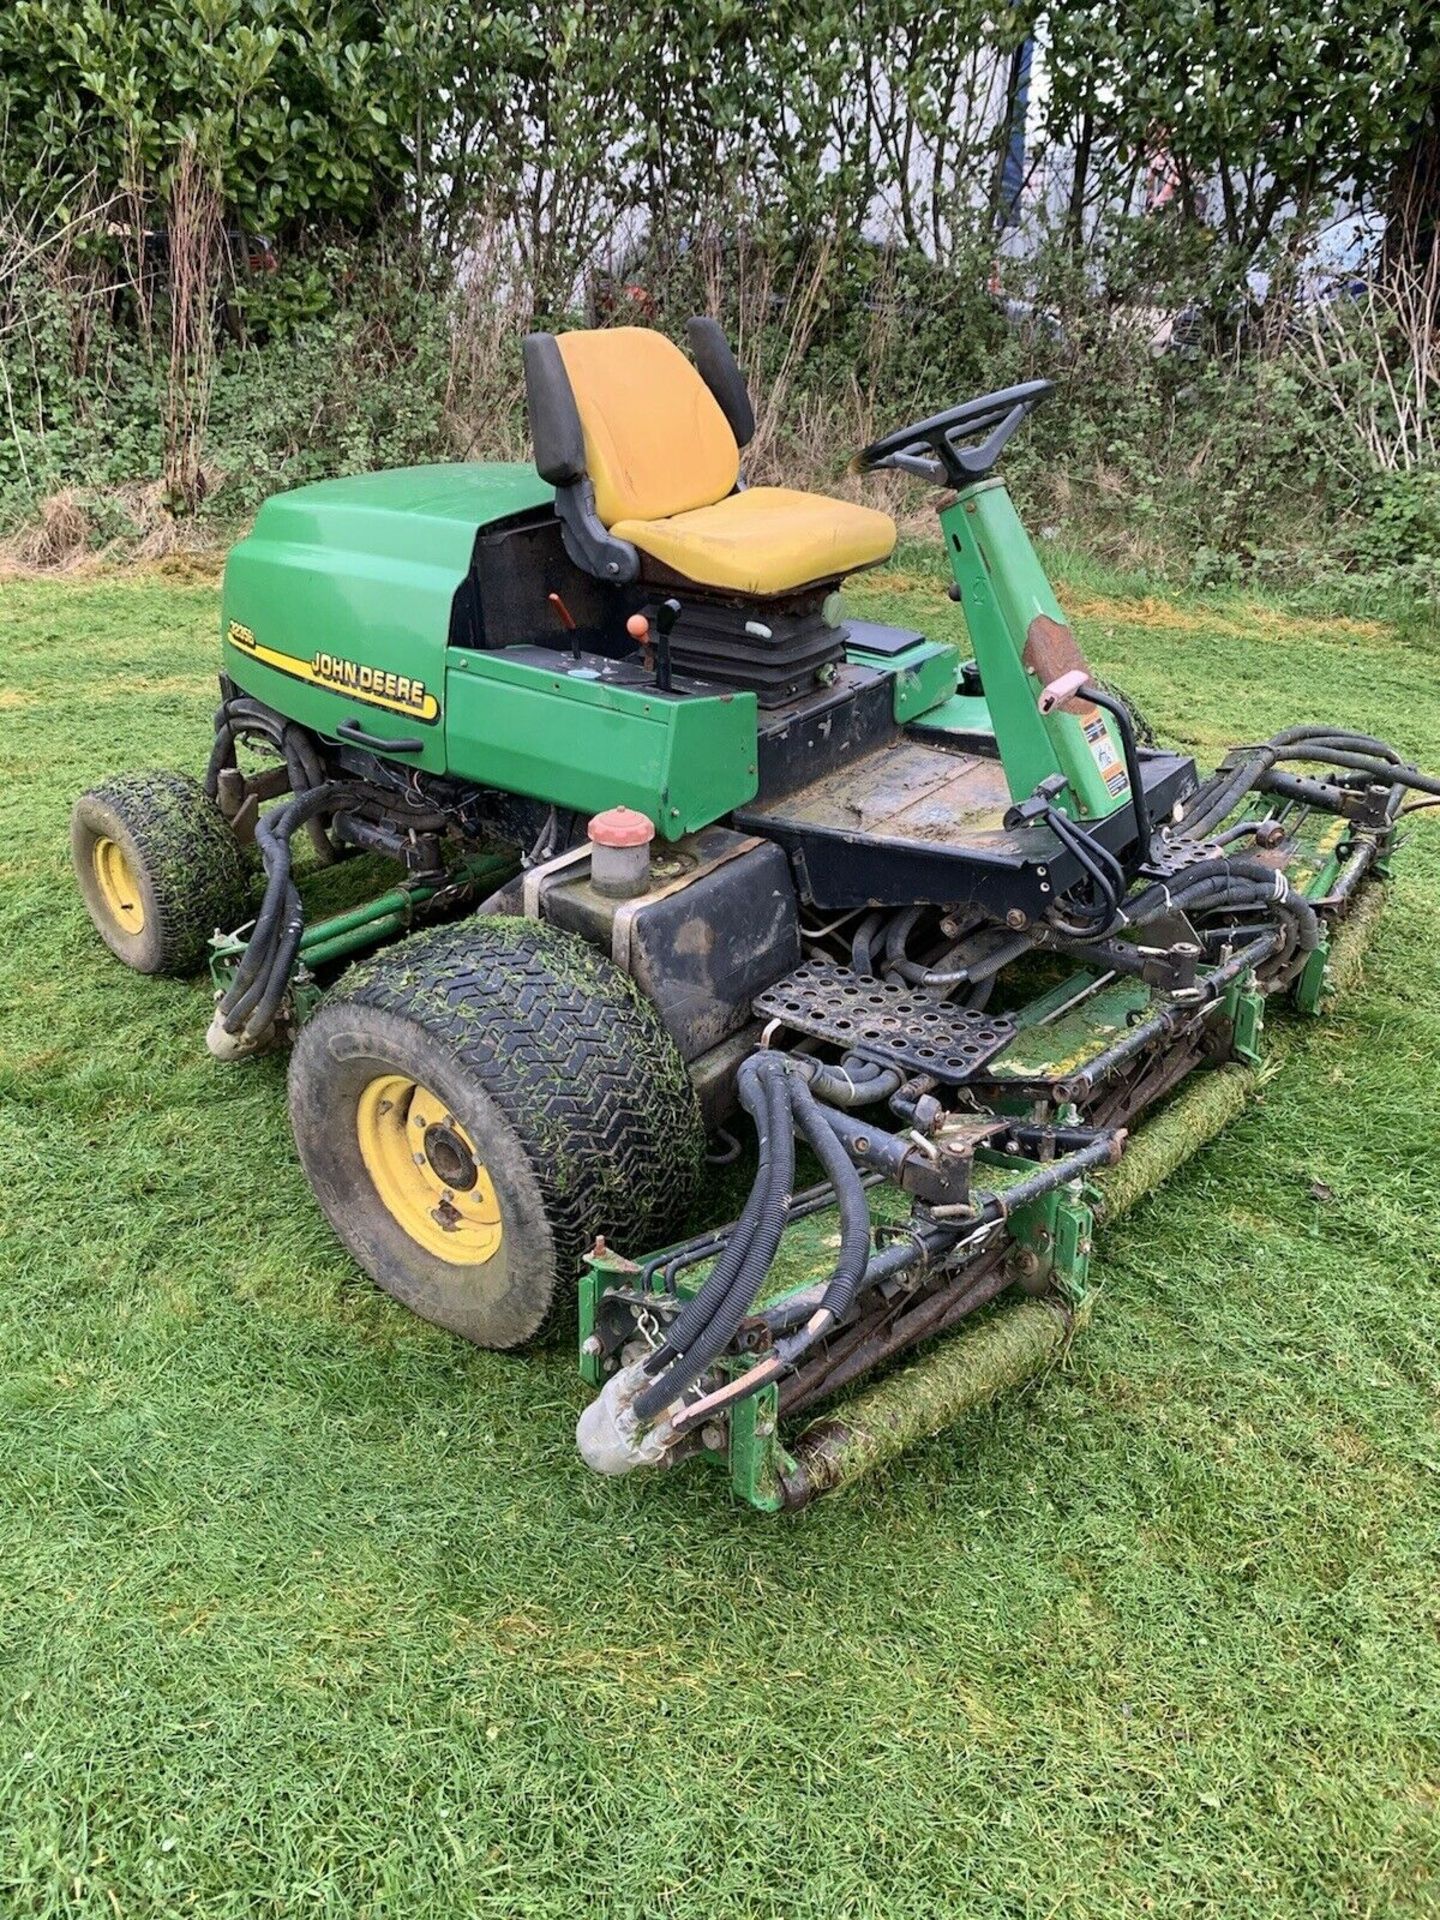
[638, 628]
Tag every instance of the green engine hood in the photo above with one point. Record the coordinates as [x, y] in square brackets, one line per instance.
[337, 605]
[424, 514]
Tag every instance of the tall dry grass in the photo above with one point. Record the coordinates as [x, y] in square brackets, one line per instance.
[1376, 361]
[482, 410]
[199, 265]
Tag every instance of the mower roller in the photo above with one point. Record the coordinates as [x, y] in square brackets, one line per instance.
[676, 841]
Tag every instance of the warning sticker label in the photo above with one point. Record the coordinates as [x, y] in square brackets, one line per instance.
[1112, 767]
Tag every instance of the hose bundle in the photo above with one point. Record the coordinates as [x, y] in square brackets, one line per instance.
[886, 936]
[1256, 768]
[251, 1001]
[1095, 912]
[246, 719]
[778, 1091]
[1229, 886]
[773, 1090]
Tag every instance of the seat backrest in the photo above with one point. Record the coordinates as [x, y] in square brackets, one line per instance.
[656, 440]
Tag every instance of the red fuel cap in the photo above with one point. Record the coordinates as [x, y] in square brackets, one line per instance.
[620, 827]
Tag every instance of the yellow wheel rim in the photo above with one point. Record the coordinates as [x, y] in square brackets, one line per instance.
[119, 889]
[425, 1169]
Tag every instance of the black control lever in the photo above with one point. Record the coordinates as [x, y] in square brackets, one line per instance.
[666, 614]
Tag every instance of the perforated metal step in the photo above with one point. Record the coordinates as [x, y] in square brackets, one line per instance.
[1169, 857]
[898, 1025]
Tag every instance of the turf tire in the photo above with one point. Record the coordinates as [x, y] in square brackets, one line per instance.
[562, 1076]
[186, 863]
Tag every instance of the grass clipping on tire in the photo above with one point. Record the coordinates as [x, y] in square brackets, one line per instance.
[576, 1058]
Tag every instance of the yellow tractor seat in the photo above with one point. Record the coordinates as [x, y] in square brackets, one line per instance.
[643, 449]
[765, 541]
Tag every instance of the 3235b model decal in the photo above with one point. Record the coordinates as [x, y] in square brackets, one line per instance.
[396, 692]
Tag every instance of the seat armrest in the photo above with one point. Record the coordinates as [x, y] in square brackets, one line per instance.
[721, 373]
[559, 442]
[555, 430]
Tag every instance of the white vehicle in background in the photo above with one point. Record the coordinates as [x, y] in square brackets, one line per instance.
[1333, 264]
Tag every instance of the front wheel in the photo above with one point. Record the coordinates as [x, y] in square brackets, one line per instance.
[158, 868]
[473, 1106]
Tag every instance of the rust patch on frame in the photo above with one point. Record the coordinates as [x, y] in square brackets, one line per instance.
[1051, 650]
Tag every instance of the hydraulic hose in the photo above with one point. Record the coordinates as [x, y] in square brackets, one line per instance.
[272, 835]
[708, 1323]
[979, 974]
[1231, 884]
[844, 1177]
[1384, 772]
[750, 1268]
[756, 1094]
[1219, 796]
[1323, 746]
[856, 1268]
[264, 968]
[854, 1083]
[1268, 882]
[1107, 879]
[276, 856]
[292, 742]
[892, 1260]
[1336, 737]
[898, 933]
[276, 979]
[1140, 806]
[862, 945]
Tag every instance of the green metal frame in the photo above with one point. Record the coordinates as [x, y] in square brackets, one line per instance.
[1054, 1237]
[1245, 1010]
[1003, 591]
[583, 743]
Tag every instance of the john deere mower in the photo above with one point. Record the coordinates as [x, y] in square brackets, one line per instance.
[685, 856]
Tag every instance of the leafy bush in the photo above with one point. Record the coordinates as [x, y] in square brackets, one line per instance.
[290, 102]
[1402, 526]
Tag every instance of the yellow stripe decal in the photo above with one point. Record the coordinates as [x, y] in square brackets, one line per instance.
[395, 692]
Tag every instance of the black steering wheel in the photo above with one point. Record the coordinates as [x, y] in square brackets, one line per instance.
[929, 448]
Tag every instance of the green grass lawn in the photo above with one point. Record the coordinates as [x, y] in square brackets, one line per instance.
[308, 1609]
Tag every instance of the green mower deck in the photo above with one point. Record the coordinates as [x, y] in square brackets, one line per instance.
[1021, 1305]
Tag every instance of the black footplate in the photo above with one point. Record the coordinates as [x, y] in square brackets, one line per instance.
[886, 1021]
[1169, 857]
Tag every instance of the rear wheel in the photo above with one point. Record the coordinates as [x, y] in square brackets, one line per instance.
[158, 868]
[473, 1106]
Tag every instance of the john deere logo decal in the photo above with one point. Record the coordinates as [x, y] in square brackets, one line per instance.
[396, 692]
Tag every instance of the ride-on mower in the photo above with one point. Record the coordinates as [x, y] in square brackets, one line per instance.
[675, 839]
